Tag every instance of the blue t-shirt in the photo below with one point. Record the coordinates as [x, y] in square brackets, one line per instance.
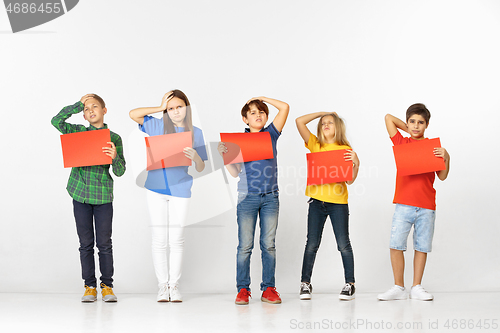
[174, 181]
[261, 176]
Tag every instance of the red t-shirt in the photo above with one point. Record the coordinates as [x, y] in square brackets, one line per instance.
[414, 190]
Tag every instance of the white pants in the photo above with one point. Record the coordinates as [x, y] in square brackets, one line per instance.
[168, 216]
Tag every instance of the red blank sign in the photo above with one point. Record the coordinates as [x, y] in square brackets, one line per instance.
[328, 167]
[247, 147]
[418, 157]
[85, 148]
[167, 150]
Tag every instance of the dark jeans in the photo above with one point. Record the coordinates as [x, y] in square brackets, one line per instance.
[339, 216]
[87, 216]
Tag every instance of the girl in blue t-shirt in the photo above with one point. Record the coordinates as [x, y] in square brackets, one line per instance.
[169, 189]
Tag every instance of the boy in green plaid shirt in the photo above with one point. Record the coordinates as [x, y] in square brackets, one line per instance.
[91, 188]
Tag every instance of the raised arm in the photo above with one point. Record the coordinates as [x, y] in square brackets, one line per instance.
[302, 121]
[283, 109]
[392, 124]
[138, 114]
[59, 120]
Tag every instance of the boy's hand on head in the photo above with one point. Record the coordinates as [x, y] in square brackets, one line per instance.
[221, 148]
[166, 98]
[441, 152]
[110, 151]
[86, 97]
[254, 99]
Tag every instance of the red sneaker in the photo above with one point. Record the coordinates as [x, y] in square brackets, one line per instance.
[270, 295]
[242, 297]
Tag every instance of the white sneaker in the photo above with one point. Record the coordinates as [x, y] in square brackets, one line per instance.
[395, 293]
[175, 294]
[163, 295]
[418, 292]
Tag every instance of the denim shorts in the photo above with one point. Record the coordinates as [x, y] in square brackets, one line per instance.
[422, 221]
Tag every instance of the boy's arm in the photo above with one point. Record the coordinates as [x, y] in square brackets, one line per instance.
[138, 114]
[59, 120]
[441, 152]
[283, 109]
[302, 121]
[392, 124]
[118, 163]
[233, 169]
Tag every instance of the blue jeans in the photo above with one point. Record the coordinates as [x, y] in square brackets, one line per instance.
[421, 219]
[87, 216]
[339, 216]
[266, 206]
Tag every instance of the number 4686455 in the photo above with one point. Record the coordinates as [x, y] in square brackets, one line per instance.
[33, 8]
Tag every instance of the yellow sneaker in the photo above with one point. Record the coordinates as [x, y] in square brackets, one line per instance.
[107, 294]
[90, 294]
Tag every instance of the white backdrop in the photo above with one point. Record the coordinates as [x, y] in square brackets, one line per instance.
[362, 59]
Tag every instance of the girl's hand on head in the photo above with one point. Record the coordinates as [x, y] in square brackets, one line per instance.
[351, 155]
[190, 153]
[86, 97]
[221, 148]
[166, 98]
[441, 152]
[110, 151]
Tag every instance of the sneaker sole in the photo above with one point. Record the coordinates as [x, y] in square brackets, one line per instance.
[163, 300]
[176, 301]
[89, 300]
[392, 299]
[346, 298]
[421, 299]
[305, 297]
[110, 300]
[270, 302]
[241, 303]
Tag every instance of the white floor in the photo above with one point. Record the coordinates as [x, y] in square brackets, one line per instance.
[449, 312]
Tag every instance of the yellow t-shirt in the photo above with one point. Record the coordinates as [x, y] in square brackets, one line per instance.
[334, 192]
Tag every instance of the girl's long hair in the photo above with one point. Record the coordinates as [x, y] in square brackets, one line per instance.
[169, 126]
[339, 137]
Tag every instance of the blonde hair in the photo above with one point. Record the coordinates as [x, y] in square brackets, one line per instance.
[339, 137]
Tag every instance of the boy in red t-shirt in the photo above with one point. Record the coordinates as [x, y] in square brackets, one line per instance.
[415, 199]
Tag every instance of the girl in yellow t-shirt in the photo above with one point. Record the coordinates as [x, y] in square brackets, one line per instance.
[328, 200]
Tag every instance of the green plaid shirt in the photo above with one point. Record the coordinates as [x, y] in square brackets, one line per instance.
[91, 184]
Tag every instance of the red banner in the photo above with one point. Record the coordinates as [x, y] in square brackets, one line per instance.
[327, 167]
[247, 147]
[167, 150]
[85, 148]
[418, 157]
